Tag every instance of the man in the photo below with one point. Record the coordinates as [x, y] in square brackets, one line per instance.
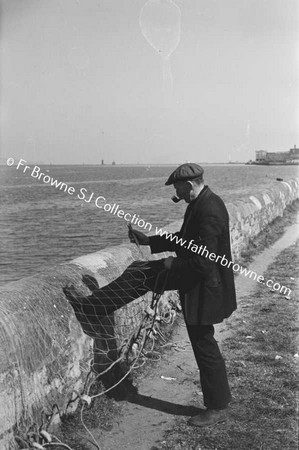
[204, 280]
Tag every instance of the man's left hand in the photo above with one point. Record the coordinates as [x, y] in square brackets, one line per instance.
[168, 262]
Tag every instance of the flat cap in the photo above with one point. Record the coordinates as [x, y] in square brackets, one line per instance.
[186, 171]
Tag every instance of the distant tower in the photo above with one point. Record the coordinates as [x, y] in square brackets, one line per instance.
[113, 163]
[102, 163]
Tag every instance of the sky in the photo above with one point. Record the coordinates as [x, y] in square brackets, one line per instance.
[82, 80]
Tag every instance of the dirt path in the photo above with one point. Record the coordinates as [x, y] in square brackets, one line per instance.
[147, 415]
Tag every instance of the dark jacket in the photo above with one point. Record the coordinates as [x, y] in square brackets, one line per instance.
[206, 286]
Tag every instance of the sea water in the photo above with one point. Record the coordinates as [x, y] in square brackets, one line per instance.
[42, 225]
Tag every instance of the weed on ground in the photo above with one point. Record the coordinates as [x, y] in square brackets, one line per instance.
[261, 358]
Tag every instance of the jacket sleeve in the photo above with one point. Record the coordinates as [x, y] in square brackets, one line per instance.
[197, 260]
[160, 244]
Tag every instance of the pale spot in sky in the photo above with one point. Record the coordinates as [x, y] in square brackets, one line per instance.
[160, 24]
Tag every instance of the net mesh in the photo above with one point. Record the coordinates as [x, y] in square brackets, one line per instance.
[123, 317]
[120, 330]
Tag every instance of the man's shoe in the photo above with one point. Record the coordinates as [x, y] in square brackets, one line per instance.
[208, 418]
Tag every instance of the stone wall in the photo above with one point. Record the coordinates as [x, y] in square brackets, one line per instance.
[44, 355]
[249, 216]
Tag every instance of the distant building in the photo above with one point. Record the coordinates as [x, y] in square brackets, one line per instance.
[290, 157]
[294, 154]
[277, 156]
[260, 155]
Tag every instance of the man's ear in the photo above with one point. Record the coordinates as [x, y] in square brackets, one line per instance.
[191, 183]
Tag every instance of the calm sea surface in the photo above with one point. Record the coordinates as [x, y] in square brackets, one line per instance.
[41, 225]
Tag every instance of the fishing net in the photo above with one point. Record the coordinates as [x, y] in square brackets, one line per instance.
[124, 320]
[120, 329]
[122, 314]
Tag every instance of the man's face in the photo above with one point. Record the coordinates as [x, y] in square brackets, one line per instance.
[183, 189]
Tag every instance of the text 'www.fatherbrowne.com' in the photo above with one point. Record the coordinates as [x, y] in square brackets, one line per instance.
[223, 261]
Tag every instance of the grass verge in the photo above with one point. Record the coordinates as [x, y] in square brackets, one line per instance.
[261, 363]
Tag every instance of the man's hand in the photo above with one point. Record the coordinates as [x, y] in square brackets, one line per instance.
[168, 262]
[138, 237]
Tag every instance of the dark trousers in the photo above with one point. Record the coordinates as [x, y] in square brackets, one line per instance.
[139, 278]
[213, 377]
